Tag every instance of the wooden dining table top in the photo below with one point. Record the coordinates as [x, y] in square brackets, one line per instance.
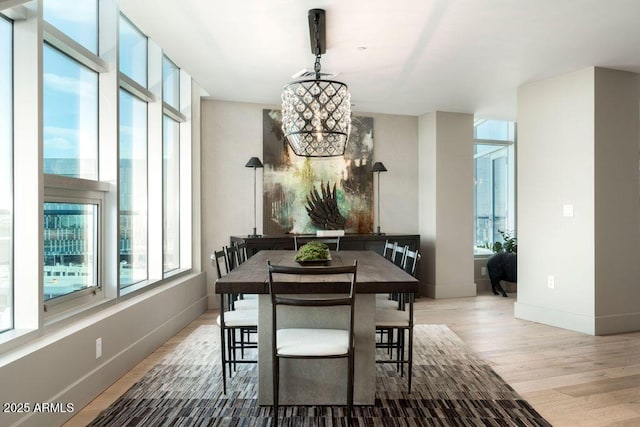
[375, 274]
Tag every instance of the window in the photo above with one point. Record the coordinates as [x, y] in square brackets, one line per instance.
[78, 19]
[70, 248]
[171, 193]
[133, 52]
[494, 207]
[170, 83]
[133, 190]
[6, 175]
[70, 116]
[95, 189]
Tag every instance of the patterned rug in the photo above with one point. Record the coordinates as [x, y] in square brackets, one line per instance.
[451, 387]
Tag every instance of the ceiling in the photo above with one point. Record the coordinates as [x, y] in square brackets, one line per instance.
[401, 57]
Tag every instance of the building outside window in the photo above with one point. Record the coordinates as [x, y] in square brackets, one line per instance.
[6, 174]
[494, 207]
[70, 247]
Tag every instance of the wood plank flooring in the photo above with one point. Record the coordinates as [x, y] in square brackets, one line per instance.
[570, 378]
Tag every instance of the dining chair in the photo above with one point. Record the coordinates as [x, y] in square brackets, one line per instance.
[397, 325]
[397, 257]
[389, 249]
[236, 325]
[233, 259]
[306, 342]
[242, 251]
[332, 242]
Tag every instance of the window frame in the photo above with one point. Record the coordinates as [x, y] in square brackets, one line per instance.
[83, 191]
[11, 173]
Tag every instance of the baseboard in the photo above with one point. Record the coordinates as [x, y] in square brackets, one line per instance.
[561, 319]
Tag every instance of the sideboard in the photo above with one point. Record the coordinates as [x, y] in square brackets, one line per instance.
[359, 242]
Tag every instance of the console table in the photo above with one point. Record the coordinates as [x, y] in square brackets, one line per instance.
[352, 242]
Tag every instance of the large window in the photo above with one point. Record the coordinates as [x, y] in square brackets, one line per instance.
[95, 188]
[70, 116]
[133, 190]
[6, 175]
[70, 149]
[494, 208]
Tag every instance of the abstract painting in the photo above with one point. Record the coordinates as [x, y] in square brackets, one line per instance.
[289, 180]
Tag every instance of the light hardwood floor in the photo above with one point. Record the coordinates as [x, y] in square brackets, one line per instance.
[570, 378]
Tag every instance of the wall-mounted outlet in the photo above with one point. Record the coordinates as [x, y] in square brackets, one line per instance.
[483, 271]
[551, 282]
[99, 348]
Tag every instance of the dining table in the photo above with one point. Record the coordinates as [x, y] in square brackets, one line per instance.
[312, 381]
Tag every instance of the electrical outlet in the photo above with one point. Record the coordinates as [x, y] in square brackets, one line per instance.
[483, 271]
[551, 282]
[98, 348]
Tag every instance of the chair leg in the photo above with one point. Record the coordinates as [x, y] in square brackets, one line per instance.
[401, 350]
[410, 356]
[224, 361]
[276, 387]
[350, 388]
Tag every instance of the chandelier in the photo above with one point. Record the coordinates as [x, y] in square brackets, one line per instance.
[316, 113]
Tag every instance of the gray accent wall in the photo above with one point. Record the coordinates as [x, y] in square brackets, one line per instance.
[232, 133]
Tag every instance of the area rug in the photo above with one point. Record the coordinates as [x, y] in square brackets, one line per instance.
[451, 387]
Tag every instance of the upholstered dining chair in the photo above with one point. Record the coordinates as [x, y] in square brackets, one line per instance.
[308, 342]
[332, 242]
[236, 325]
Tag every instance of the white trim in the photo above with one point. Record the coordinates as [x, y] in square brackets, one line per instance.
[135, 88]
[73, 49]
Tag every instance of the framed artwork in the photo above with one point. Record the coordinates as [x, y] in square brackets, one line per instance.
[292, 183]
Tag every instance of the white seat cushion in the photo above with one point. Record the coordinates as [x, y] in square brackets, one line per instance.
[312, 342]
[245, 304]
[392, 318]
[239, 318]
[386, 303]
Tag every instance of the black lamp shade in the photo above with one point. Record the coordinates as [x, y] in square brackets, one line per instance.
[378, 167]
[254, 162]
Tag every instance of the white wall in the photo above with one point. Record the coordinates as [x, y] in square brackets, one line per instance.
[556, 168]
[232, 133]
[578, 146]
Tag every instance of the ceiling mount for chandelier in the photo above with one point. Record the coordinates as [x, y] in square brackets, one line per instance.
[316, 113]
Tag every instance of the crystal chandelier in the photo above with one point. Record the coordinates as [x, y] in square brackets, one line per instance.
[316, 113]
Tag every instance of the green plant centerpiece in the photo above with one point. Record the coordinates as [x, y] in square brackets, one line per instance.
[313, 251]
